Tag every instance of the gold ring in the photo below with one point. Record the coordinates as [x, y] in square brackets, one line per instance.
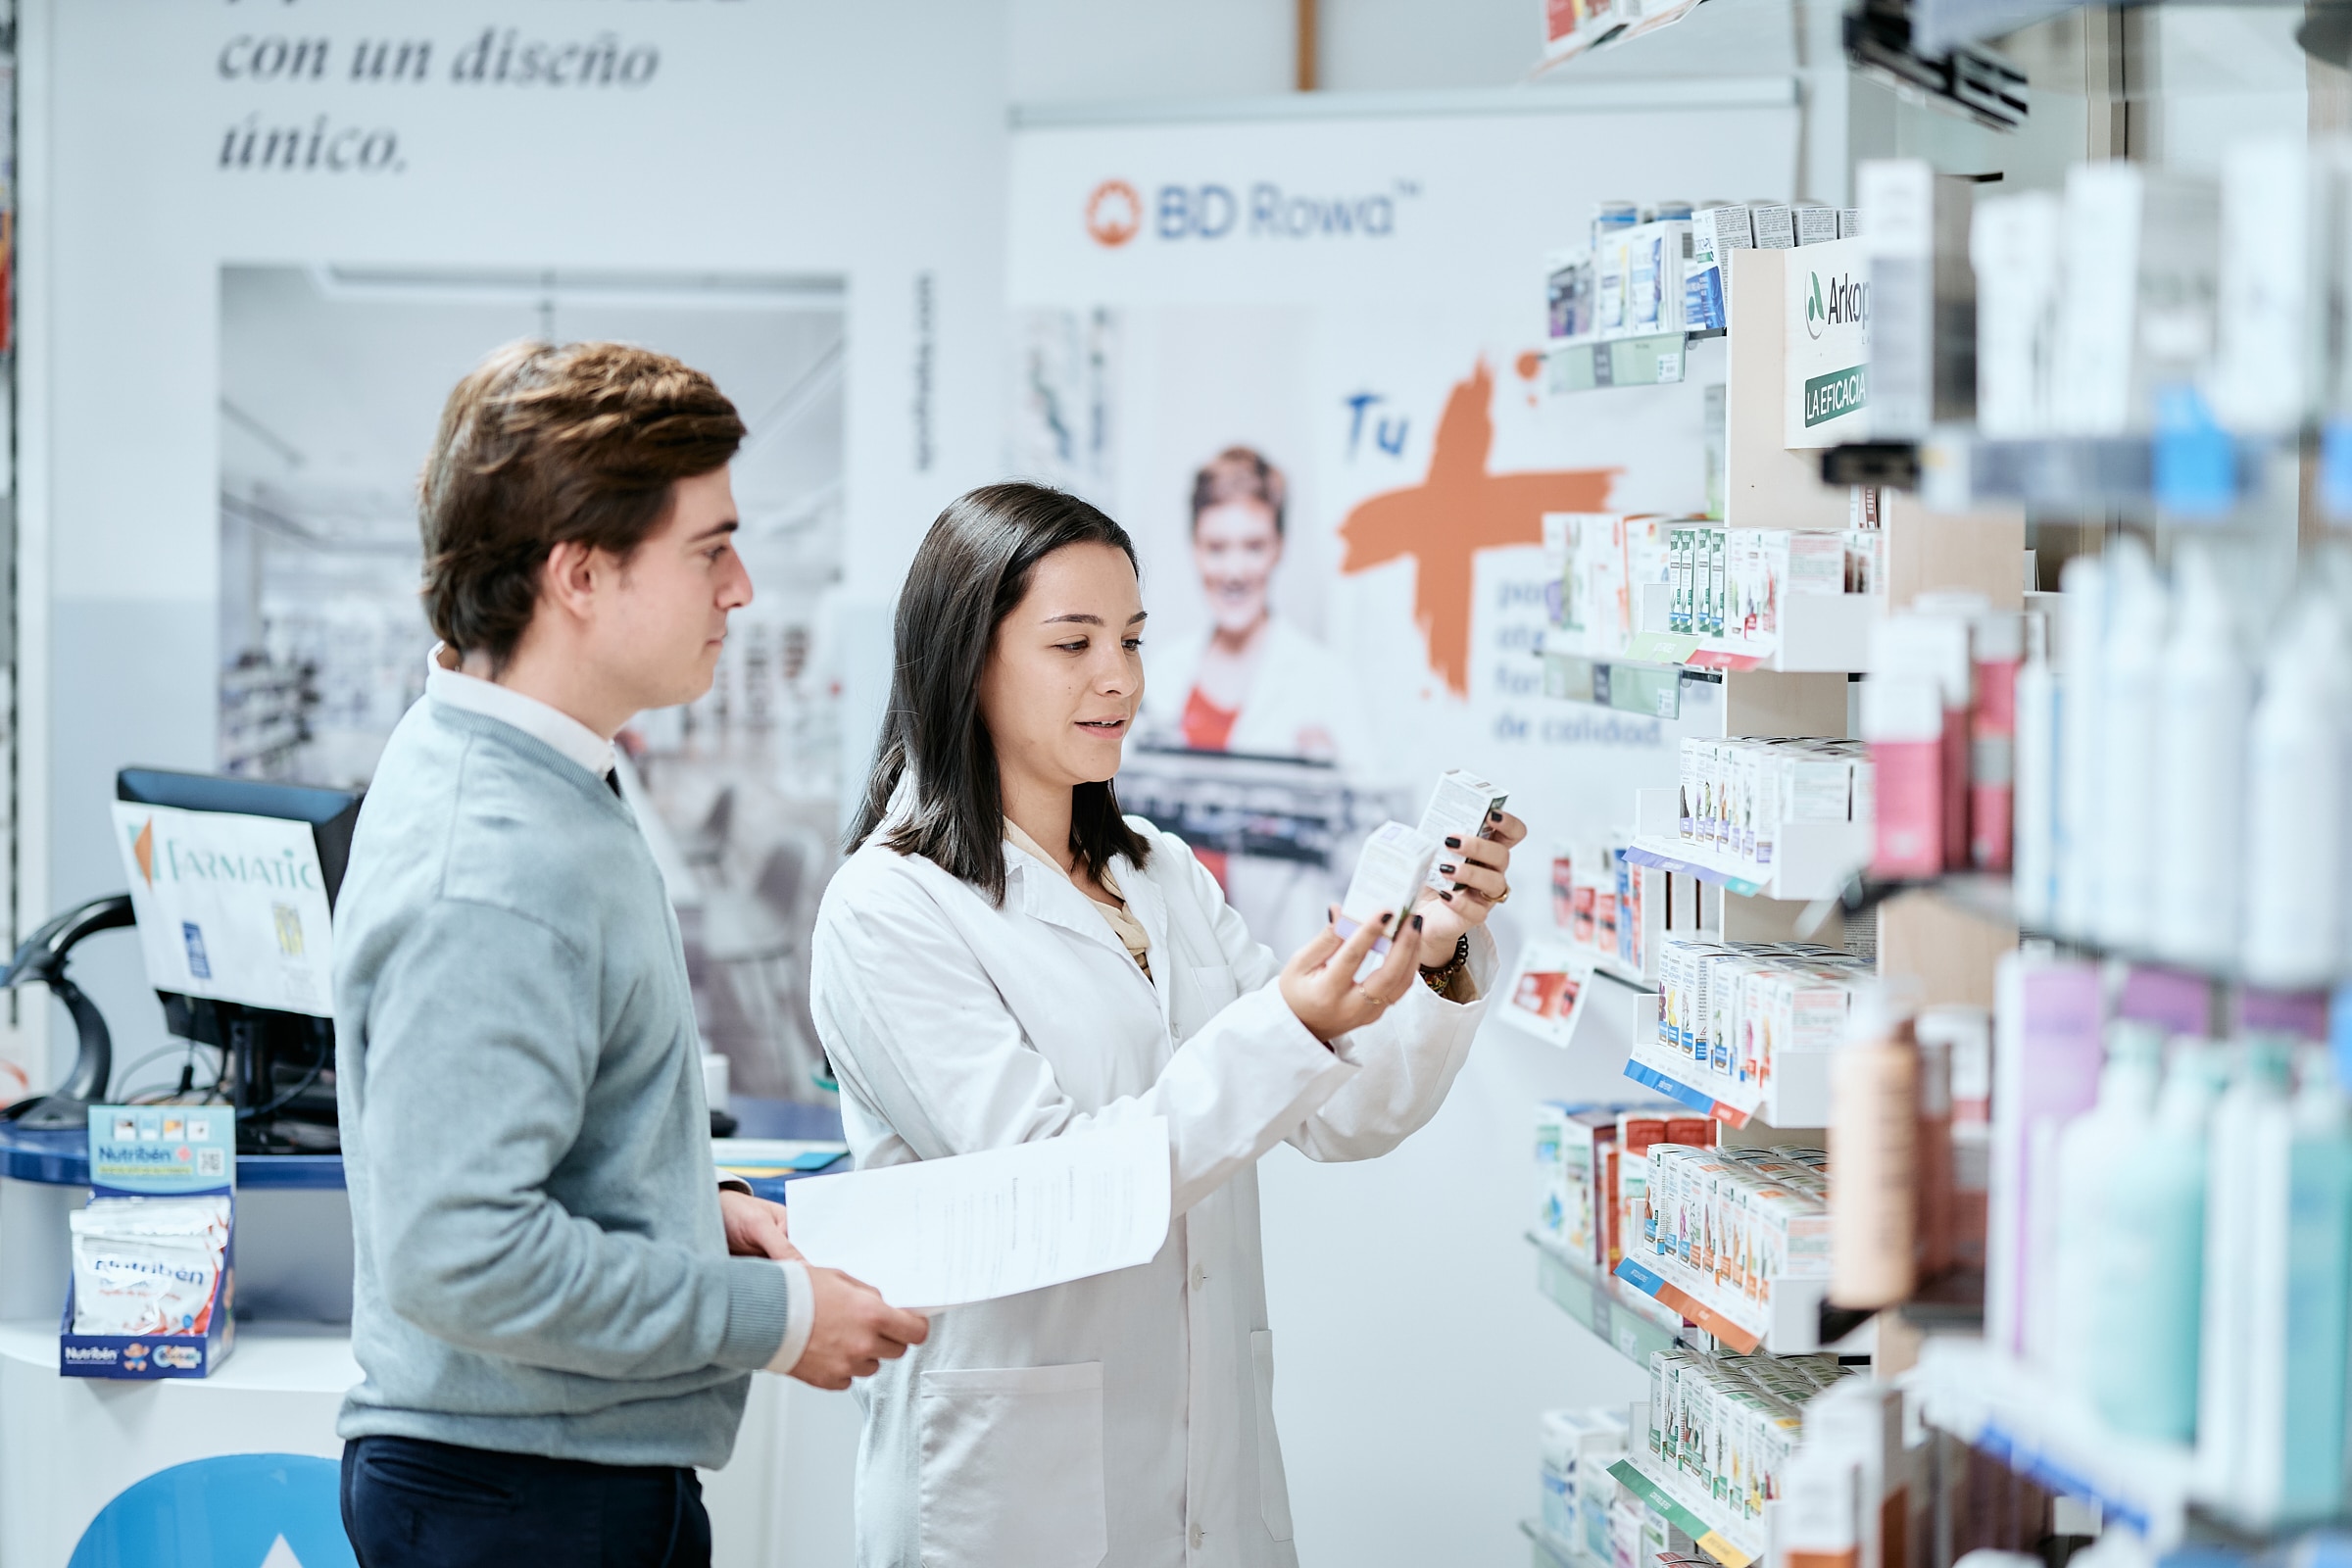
[1504, 896]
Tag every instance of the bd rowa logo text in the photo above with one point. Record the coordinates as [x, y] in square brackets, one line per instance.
[1116, 213]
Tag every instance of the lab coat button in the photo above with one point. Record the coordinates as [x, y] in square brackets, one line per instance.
[1198, 1533]
[1200, 1281]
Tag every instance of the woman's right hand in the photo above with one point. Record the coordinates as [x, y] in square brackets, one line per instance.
[1319, 982]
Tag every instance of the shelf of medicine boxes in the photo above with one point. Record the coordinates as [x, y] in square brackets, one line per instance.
[1990, 895]
[1819, 634]
[2052, 1435]
[1811, 861]
[1629, 1322]
[2198, 469]
[1586, 365]
[1550, 1551]
[1731, 1541]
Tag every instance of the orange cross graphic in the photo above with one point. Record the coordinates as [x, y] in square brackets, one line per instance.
[1460, 508]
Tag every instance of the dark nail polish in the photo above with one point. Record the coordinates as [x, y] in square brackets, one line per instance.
[1447, 897]
[1416, 923]
[1454, 844]
[1493, 816]
[1449, 869]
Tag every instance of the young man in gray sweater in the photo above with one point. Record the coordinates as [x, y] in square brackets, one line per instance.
[553, 1329]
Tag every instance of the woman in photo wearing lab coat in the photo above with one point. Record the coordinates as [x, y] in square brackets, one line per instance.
[1251, 681]
[1004, 957]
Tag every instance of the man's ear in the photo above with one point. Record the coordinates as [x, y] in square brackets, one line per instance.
[567, 577]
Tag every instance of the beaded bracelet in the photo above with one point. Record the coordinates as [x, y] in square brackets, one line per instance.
[1441, 979]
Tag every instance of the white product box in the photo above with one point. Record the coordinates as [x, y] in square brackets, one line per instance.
[2013, 245]
[2140, 273]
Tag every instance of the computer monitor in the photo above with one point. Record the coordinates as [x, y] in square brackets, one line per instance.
[278, 1068]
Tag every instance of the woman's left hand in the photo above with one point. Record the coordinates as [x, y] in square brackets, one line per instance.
[1479, 869]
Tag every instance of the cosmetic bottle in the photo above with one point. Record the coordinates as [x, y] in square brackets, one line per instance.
[1998, 642]
[2246, 1167]
[2067, 1321]
[2296, 798]
[2138, 610]
[1934, 1222]
[2151, 1261]
[2033, 848]
[2081, 776]
[2293, 1465]
[2206, 699]
[1874, 1155]
[1902, 720]
[1943, 622]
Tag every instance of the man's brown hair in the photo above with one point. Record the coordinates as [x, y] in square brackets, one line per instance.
[540, 445]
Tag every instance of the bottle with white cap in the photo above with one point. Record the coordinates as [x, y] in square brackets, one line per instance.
[2295, 831]
[2206, 699]
[2138, 607]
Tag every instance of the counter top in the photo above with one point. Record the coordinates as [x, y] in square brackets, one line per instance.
[63, 1158]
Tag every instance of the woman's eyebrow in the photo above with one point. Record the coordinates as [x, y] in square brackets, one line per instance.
[1090, 620]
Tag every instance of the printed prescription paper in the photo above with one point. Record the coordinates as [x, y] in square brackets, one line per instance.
[976, 1227]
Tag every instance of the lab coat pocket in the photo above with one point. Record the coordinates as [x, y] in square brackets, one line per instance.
[1012, 1467]
[1217, 990]
[1273, 1491]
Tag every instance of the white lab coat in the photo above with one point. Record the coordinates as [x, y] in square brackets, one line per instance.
[1124, 1419]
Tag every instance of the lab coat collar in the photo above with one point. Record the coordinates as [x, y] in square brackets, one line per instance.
[1047, 893]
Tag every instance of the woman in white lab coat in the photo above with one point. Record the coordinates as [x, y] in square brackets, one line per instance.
[976, 989]
[1253, 682]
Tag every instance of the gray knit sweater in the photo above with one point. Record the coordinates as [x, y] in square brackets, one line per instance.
[541, 1265]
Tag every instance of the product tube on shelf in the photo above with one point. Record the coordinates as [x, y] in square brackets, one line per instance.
[2298, 798]
[1902, 718]
[2046, 1071]
[1998, 642]
[2014, 247]
[2035, 848]
[2082, 776]
[2199, 846]
[1874, 1160]
[2139, 609]
[2151, 1261]
[2246, 1162]
[2066, 1304]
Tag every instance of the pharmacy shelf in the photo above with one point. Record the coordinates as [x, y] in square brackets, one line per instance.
[2051, 1436]
[1610, 1011]
[1585, 365]
[1734, 1543]
[1550, 1551]
[1633, 1324]
[2197, 471]
[1796, 1097]
[1820, 635]
[1815, 861]
[1788, 1322]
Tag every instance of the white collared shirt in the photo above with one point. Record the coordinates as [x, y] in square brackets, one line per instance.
[445, 682]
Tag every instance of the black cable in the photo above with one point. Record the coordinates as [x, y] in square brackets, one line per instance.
[129, 1075]
[319, 1066]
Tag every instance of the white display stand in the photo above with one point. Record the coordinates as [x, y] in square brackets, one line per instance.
[70, 1445]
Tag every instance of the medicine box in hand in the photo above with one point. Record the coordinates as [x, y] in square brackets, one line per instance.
[1458, 809]
[1389, 878]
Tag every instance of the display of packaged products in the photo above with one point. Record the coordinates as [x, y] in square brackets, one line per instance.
[1576, 1449]
[148, 1265]
[1729, 1424]
[1736, 797]
[1728, 1012]
[1583, 1175]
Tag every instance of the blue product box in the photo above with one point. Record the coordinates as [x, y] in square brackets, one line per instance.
[160, 1151]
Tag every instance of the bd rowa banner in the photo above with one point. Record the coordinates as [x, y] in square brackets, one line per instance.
[1300, 361]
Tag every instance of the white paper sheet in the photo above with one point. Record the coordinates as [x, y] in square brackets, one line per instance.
[975, 1227]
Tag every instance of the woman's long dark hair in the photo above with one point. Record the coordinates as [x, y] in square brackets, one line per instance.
[973, 567]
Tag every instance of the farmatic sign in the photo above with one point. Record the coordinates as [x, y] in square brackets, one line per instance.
[1828, 365]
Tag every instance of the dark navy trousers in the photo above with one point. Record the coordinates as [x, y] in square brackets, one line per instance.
[410, 1503]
